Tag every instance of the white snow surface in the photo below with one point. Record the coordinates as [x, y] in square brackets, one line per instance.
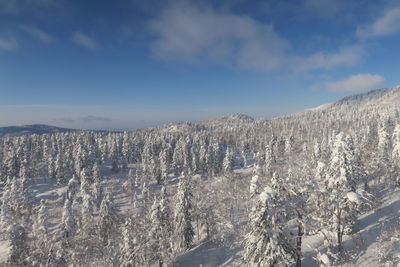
[354, 197]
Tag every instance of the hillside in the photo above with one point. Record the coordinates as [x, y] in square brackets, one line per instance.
[384, 99]
[32, 129]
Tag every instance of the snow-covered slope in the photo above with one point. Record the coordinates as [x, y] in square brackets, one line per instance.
[379, 97]
[218, 123]
[386, 101]
[32, 129]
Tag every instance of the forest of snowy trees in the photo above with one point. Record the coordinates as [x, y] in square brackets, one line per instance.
[146, 197]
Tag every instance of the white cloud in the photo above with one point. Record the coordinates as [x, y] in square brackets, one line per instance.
[85, 41]
[386, 25]
[84, 119]
[187, 32]
[358, 82]
[346, 56]
[37, 33]
[9, 44]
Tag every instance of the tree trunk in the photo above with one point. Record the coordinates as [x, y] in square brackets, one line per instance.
[300, 233]
[339, 232]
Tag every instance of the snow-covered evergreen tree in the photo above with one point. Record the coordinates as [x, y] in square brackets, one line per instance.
[88, 203]
[396, 154]
[269, 160]
[97, 189]
[72, 188]
[266, 243]
[161, 231]
[108, 221]
[68, 226]
[19, 250]
[228, 161]
[183, 232]
[6, 211]
[41, 224]
[255, 183]
[340, 212]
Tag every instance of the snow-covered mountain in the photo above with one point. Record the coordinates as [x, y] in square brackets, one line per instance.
[32, 129]
[217, 123]
[236, 118]
[386, 101]
[227, 121]
[386, 97]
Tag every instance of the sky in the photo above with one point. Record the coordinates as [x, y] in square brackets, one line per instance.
[127, 64]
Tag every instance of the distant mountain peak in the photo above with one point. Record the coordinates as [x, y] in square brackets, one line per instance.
[384, 96]
[237, 117]
[32, 129]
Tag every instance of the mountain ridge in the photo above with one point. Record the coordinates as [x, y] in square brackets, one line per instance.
[383, 98]
[32, 129]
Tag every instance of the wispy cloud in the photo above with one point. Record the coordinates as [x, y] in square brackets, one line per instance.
[358, 82]
[345, 56]
[189, 32]
[85, 119]
[387, 24]
[85, 41]
[37, 33]
[9, 44]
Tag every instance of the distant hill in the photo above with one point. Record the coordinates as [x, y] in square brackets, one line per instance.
[386, 101]
[32, 129]
[217, 123]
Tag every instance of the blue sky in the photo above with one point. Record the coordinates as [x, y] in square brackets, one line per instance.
[130, 63]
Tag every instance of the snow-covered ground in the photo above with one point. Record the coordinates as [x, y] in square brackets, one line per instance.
[376, 232]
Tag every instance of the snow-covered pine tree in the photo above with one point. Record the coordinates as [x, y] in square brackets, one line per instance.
[161, 230]
[183, 232]
[396, 153]
[72, 188]
[228, 161]
[145, 191]
[6, 211]
[269, 160]
[382, 157]
[164, 165]
[88, 204]
[16, 204]
[266, 243]
[109, 221]
[195, 158]
[11, 164]
[40, 227]
[68, 225]
[40, 231]
[340, 212]
[19, 249]
[59, 170]
[255, 183]
[156, 233]
[210, 161]
[132, 250]
[97, 189]
[166, 217]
